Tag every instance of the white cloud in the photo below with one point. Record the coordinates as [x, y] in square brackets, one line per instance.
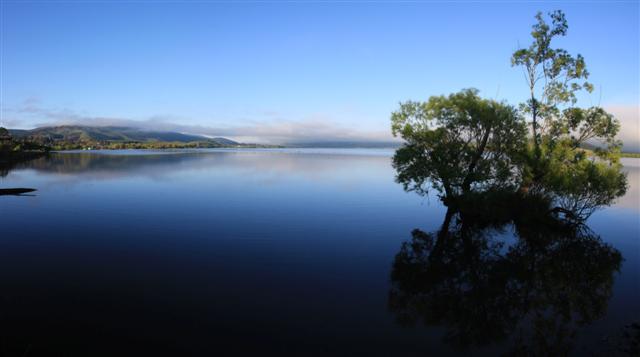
[314, 129]
[629, 116]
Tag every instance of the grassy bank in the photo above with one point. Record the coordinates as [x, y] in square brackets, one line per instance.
[631, 154]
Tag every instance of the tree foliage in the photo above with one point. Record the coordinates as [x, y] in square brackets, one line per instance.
[10, 146]
[462, 143]
[557, 165]
[456, 143]
[553, 76]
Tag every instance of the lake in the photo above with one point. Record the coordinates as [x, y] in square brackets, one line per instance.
[280, 251]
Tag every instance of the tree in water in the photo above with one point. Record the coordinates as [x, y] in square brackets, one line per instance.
[556, 163]
[462, 143]
[457, 143]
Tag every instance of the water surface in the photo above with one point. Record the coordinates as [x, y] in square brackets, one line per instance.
[238, 251]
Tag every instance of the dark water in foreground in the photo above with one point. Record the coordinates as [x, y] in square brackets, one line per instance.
[273, 251]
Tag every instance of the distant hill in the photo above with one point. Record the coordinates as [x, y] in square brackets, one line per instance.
[224, 141]
[112, 134]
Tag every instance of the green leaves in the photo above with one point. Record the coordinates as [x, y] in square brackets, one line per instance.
[457, 143]
[557, 165]
[553, 76]
[587, 124]
[461, 144]
[411, 117]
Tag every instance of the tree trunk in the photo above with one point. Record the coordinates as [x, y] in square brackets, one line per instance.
[466, 184]
[536, 138]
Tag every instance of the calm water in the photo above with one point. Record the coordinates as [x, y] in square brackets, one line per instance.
[281, 251]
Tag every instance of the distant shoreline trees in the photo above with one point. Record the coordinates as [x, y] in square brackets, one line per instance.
[74, 138]
[12, 146]
[15, 151]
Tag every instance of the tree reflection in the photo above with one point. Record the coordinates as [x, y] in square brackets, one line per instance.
[533, 288]
[11, 161]
[18, 160]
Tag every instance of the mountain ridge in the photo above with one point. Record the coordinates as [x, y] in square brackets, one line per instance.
[111, 134]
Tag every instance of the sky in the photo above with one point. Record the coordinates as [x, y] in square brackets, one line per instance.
[281, 71]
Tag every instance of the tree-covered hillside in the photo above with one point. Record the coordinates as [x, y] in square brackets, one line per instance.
[77, 133]
[111, 137]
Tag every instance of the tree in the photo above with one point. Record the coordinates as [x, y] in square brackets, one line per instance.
[562, 74]
[558, 165]
[462, 144]
[457, 143]
[5, 139]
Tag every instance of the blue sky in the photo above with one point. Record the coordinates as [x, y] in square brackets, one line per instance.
[278, 69]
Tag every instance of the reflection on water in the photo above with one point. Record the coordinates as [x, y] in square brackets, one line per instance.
[11, 162]
[316, 164]
[631, 199]
[533, 290]
[289, 252]
[313, 164]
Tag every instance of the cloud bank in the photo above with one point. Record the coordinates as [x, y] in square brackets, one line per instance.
[629, 116]
[312, 130]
